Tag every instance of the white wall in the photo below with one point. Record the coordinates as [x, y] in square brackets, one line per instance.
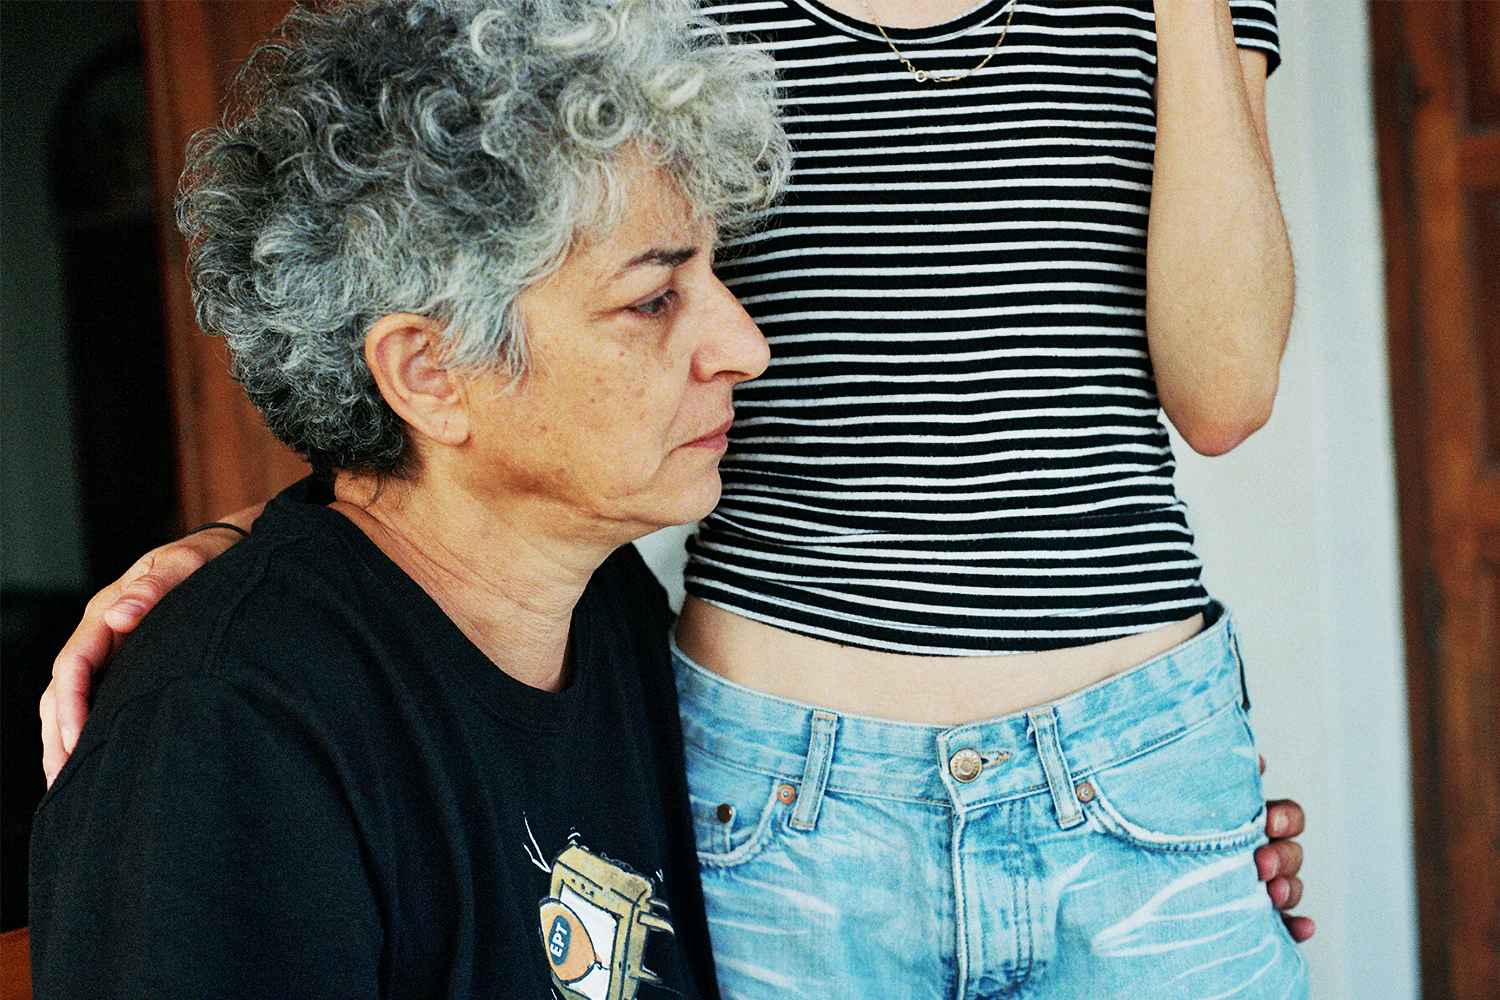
[1298, 528]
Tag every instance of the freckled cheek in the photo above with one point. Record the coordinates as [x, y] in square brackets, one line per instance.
[625, 399]
[627, 396]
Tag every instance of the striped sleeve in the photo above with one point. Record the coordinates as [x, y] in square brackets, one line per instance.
[1255, 27]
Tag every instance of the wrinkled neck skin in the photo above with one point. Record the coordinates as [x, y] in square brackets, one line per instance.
[508, 581]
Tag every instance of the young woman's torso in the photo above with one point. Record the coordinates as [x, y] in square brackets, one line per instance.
[920, 687]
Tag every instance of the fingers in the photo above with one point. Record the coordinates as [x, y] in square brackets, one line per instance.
[53, 751]
[64, 704]
[125, 602]
[140, 596]
[63, 709]
[1278, 858]
[1300, 928]
[72, 688]
[1279, 862]
[109, 616]
[1284, 818]
[1285, 892]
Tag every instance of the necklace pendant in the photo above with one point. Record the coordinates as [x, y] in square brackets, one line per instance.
[921, 75]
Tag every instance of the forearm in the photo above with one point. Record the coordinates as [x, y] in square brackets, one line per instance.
[1219, 268]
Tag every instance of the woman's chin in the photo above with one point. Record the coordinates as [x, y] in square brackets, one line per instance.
[687, 505]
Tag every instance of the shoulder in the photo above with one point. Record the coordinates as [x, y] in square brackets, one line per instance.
[253, 616]
[243, 677]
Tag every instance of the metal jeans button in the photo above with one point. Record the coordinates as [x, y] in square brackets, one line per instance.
[965, 765]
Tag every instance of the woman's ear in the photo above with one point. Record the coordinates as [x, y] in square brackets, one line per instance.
[405, 355]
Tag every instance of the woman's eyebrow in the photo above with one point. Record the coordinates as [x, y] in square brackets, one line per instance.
[661, 257]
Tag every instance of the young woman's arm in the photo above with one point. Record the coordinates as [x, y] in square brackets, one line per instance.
[1219, 280]
[1219, 283]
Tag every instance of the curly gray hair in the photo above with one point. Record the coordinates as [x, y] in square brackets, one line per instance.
[437, 157]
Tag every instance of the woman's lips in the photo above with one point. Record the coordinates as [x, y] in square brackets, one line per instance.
[716, 438]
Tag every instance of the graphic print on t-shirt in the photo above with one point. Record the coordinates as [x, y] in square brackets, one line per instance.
[594, 924]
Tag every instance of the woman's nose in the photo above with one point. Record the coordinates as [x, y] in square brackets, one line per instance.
[733, 346]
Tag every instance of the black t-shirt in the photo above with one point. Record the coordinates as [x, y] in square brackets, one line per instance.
[301, 780]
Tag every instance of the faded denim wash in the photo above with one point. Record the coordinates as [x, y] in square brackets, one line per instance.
[1102, 846]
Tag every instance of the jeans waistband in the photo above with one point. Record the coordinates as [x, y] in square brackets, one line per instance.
[1118, 718]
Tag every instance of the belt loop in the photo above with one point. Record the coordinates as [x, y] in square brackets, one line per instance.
[1059, 781]
[819, 759]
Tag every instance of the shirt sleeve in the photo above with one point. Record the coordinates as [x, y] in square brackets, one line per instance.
[202, 849]
[1255, 28]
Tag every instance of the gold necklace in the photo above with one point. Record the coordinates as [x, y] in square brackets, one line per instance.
[921, 75]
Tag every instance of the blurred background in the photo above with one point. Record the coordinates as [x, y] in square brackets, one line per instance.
[86, 449]
[1356, 538]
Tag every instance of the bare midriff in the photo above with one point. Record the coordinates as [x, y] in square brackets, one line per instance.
[934, 690]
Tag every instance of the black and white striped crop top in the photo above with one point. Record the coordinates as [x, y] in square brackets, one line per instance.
[957, 448]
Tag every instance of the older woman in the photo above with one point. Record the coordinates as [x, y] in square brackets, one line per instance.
[422, 741]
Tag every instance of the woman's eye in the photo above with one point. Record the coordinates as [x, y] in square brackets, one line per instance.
[656, 306]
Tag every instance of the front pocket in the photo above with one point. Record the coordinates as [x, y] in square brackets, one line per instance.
[736, 811]
[1199, 791]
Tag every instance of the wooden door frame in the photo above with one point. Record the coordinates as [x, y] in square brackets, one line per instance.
[226, 459]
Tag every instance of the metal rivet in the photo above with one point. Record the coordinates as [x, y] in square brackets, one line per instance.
[1085, 792]
[965, 765]
[786, 794]
[724, 813]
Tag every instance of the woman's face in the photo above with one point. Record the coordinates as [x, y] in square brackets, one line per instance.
[635, 346]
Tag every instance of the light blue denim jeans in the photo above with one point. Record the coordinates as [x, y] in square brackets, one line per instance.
[1100, 846]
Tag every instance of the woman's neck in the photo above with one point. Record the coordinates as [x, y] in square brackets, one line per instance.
[903, 13]
[507, 585]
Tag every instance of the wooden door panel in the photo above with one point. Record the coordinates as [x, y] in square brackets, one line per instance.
[1484, 213]
[1437, 78]
[1481, 31]
[226, 458]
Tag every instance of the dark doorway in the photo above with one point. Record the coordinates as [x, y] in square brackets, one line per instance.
[90, 480]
